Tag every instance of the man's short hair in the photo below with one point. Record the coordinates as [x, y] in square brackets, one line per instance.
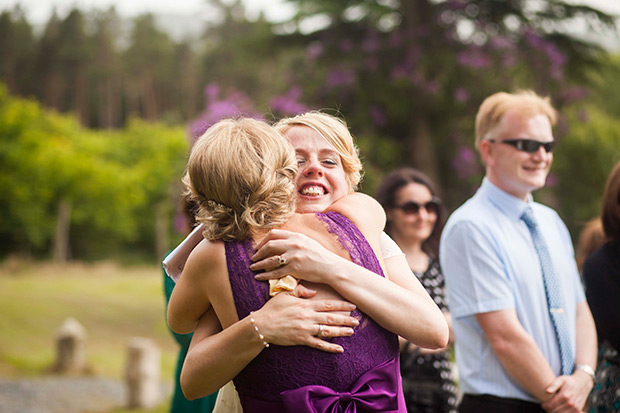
[526, 102]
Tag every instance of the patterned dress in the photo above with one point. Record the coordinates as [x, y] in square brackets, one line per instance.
[601, 274]
[428, 383]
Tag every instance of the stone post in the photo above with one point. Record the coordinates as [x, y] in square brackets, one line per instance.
[142, 373]
[70, 348]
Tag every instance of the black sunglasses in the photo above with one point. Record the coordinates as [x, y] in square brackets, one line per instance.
[412, 208]
[527, 145]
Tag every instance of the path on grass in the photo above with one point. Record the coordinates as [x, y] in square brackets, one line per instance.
[64, 395]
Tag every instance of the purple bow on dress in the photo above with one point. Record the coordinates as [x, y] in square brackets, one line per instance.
[374, 391]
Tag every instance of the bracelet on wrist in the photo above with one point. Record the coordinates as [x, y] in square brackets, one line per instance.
[260, 336]
[586, 369]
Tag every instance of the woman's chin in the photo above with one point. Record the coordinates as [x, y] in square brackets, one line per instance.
[306, 204]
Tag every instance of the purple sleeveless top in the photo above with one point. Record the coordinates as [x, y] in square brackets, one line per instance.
[365, 377]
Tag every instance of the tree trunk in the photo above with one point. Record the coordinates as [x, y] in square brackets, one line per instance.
[63, 224]
[81, 104]
[110, 110]
[52, 91]
[148, 97]
[423, 151]
[422, 155]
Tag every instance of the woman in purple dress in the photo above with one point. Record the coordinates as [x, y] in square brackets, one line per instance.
[244, 188]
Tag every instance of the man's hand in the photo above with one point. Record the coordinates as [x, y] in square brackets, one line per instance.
[569, 393]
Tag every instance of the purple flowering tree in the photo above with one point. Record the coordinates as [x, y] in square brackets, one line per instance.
[409, 75]
[219, 106]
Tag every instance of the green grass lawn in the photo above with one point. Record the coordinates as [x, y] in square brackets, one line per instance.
[113, 303]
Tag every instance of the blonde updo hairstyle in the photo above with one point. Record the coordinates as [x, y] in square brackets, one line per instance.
[335, 131]
[493, 109]
[240, 174]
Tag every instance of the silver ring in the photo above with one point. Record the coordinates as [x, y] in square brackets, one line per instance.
[320, 332]
[281, 260]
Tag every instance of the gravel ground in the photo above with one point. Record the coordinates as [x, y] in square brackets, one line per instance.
[64, 395]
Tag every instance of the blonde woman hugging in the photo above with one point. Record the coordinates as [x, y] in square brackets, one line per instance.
[241, 174]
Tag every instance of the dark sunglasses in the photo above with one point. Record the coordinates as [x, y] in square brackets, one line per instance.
[412, 208]
[527, 145]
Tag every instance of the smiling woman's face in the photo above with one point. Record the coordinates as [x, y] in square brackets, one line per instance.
[413, 227]
[321, 179]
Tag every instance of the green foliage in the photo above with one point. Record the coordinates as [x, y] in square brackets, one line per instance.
[605, 85]
[112, 180]
[27, 138]
[583, 160]
[408, 77]
[589, 147]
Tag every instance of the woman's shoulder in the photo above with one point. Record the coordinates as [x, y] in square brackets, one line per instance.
[353, 201]
[205, 256]
[363, 210]
[206, 249]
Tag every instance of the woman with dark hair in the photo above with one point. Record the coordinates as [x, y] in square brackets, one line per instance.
[601, 274]
[415, 218]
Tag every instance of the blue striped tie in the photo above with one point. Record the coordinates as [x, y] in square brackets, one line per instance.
[553, 293]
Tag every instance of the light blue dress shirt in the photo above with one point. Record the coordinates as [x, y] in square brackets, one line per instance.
[490, 264]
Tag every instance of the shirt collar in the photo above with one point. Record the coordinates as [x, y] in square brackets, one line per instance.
[509, 205]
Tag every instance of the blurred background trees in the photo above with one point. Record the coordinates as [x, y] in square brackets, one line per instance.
[408, 76]
[71, 192]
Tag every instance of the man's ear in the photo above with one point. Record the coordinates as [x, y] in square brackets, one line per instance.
[486, 152]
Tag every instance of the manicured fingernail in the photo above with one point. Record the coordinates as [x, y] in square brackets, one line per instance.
[356, 322]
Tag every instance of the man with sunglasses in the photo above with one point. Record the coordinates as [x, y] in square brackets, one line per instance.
[525, 337]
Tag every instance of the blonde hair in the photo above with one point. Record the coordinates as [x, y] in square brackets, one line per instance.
[493, 109]
[240, 174]
[335, 131]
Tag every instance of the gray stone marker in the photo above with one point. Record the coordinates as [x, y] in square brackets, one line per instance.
[143, 373]
[70, 348]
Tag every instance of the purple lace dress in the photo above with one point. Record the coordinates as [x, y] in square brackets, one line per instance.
[364, 378]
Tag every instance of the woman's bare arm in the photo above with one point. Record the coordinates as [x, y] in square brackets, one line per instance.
[189, 299]
[400, 304]
[216, 356]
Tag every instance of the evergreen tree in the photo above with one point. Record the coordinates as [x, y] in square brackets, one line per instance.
[16, 51]
[148, 68]
[74, 59]
[47, 65]
[106, 72]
